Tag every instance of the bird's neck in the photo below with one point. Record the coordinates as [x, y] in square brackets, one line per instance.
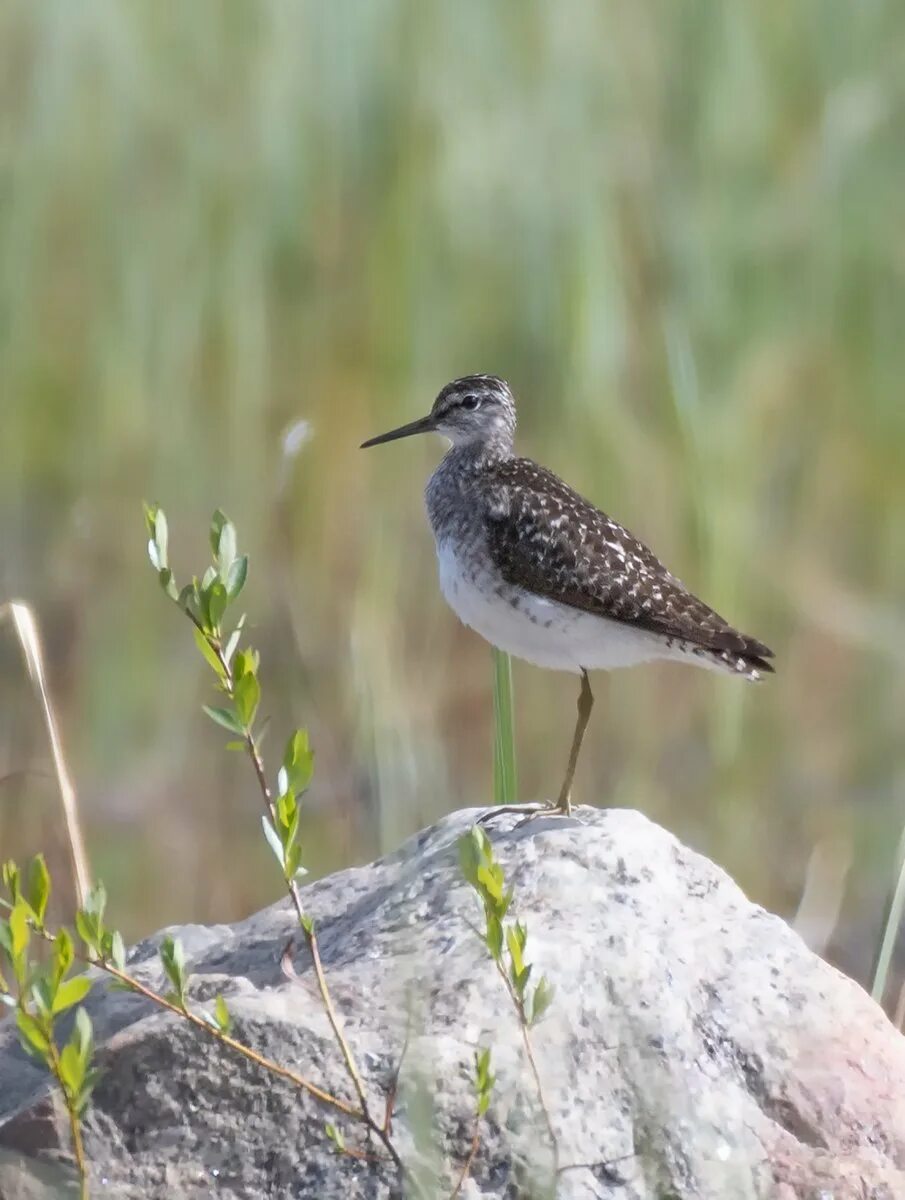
[473, 456]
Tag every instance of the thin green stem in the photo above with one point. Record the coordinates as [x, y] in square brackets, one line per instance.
[225, 1039]
[891, 928]
[532, 1063]
[75, 1124]
[254, 754]
[466, 1166]
[52, 1061]
[505, 783]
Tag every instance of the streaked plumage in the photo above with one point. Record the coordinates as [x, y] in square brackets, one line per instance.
[542, 573]
[517, 534]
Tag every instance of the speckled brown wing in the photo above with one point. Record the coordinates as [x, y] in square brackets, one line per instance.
[545, 537]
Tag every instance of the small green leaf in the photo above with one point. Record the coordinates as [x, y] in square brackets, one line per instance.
[187, 599]
[216, 600]
[209, 653]
[89, 921]
[289, 833]
[96, 901]
[475, 856]
[161, 536]
[494, 937]
[176, 953]
[88, 929]
[490, 879]
[117, 954]
[543, 998]
[88, 1085]
[515, 950]
[158, 534]
[71, 992]
[223, 716]
[482, 1066]
[247, 696]
[246, 663]
[293, 868]
[83, 1035]
[18, 927]
[335, 1137]
[298, 763]
[236, 576]
[38, 887]
[226, 549]
[43, 990]
[233, 640]
[31, 1035]
[63, 953]
[484, 1080]
[172, 956]
[10, 876]
[520, 980]
[218, 520]
[72, 1070]
[297, 747]
[168, 583]
[221, 1013]
[150, 511]
[287, 816]
[273, 840]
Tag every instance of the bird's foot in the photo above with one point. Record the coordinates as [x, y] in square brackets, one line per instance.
[528, 812]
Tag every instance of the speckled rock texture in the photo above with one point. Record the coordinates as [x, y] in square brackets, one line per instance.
[695, 1050]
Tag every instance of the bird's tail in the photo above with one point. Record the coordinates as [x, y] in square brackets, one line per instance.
[736, 654]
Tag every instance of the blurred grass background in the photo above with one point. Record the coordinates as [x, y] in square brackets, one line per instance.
[235, 240]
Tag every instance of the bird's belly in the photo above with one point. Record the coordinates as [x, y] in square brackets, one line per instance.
[541, 631]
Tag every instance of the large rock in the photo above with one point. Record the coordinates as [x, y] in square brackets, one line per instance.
[695, 1049]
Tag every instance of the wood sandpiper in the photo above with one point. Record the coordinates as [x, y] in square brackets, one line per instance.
[543, 574]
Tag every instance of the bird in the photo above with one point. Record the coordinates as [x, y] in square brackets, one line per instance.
[546, 576]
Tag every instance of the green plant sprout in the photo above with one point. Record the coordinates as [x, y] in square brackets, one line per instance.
[483, 1087]
[506, 941]
[42, 988]
[206, 602]
[42, 992]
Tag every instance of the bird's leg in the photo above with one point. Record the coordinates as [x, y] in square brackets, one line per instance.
[563, 806]
[585, 705]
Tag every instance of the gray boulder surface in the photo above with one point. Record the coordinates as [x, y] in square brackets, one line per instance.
[695, 1048]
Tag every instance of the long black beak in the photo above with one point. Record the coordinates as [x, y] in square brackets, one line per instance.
[425, 425]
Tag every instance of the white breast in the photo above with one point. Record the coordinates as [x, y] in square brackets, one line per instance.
[538, 630]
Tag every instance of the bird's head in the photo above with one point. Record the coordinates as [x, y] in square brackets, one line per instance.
[475, 410]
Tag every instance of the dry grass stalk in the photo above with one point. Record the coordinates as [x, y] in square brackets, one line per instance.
[26, 627]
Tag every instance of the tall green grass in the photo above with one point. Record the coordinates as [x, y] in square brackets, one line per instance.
[895, 919]
[505, 779]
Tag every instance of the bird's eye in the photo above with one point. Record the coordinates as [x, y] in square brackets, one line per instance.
[470, 403]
